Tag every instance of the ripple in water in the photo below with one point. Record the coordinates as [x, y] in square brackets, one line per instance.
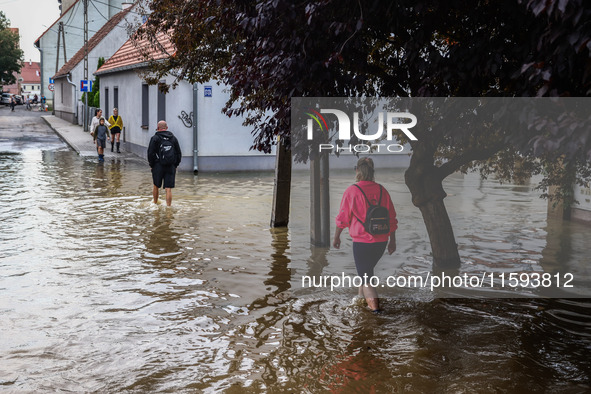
[103, 291]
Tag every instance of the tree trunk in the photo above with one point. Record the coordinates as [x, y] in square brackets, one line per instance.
[443, 243]
[425, 183]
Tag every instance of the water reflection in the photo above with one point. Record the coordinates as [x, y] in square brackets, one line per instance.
[318, 261]
[103, 291]
[161, 241]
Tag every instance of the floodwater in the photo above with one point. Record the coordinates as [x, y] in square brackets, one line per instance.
[103, 291]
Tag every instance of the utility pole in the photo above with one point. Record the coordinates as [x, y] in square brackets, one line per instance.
[64, 41]
[60, 38]
[85, 113]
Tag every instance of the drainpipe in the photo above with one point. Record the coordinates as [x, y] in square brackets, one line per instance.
[195, 128]
[75, 94]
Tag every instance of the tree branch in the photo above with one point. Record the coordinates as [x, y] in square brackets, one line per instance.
[458, 162]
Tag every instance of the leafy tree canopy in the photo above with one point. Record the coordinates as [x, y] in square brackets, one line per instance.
[94, 96]
[11, 56]
[269, 51]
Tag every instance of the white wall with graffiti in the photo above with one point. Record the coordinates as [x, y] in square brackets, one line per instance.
[223, 143]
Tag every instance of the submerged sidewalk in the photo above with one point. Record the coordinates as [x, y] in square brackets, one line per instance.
[82, 141]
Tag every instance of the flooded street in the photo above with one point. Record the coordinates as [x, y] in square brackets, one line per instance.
[103, 291]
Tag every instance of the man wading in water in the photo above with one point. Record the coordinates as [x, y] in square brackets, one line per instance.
[164, 156]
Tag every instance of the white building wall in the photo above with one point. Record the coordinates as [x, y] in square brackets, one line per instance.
[223, 136]
[223, 143]
[582, 210]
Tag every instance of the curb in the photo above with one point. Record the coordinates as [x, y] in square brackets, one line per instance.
[61, 137]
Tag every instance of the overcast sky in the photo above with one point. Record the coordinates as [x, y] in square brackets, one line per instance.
[32, 17]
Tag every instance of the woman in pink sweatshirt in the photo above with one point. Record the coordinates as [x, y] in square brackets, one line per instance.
[368, 248]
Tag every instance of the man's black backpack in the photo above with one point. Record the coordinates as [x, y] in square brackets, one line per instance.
[377, 217]
[166, 153]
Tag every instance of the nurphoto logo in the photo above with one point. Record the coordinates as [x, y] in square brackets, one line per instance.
[395, 122]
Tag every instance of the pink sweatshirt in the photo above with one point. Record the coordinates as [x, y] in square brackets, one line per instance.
[353, 203]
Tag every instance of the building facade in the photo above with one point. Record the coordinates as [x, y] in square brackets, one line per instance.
[104, 43]
[69, 27]
[210, 141]
[31, 79]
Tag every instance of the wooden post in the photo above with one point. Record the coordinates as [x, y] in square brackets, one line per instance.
[324, 199]
[315, 227]
[282, 190]
[319, 201]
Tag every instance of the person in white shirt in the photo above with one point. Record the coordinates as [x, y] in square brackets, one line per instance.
[96, 119]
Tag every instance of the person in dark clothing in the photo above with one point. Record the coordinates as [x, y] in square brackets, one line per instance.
[164, 156]
[100, 135]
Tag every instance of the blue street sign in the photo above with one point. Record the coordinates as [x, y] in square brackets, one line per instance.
[85, 85]
[207, 91]
[51, 80]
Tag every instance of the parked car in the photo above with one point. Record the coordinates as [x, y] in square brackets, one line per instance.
[5, 99]
[19, 99]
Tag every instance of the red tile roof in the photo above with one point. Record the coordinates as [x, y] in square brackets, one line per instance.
[31, 73]
[135, 55]
[92, 43]
[56, 21]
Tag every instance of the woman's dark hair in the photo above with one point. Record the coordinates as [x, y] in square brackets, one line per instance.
[365, 170]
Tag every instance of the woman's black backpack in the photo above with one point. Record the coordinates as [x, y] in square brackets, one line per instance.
[377, 217]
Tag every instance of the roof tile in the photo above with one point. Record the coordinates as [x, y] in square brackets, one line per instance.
[30, 72]
[134, 55]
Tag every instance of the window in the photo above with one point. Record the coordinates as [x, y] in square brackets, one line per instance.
[145, 106]
[161, 104]
[107, 108]
[115, 97]
[62, 92]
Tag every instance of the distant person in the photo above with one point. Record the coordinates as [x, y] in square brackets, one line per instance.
[94, 122]
[370, 234]
[100, 135]
[35, 99]
[164, 156]
[12, 103]
[116, 127]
